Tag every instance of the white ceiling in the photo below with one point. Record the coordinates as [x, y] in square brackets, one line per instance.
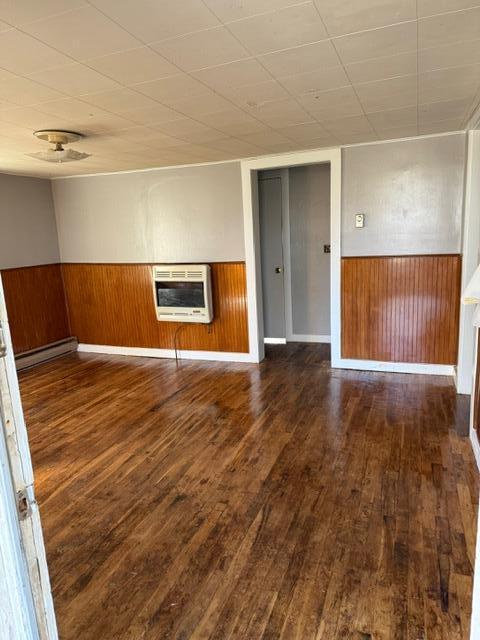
[163, 82]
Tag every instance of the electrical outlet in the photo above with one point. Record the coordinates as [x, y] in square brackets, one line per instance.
[326, 248]
[359, 220]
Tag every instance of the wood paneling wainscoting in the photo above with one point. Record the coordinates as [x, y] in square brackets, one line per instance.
[112, 304]
[401, 308]
[36, 306]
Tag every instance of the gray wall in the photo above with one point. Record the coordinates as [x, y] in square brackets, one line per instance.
[411, 193]
[172, 215]
[309, 213]
[28, 234]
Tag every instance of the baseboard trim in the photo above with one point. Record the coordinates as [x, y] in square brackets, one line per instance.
[296, 337]
[475, 446]
[147, 352]
[42, 354]
[275, 340]
[395, 367]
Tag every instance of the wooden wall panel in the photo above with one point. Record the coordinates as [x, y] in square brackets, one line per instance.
[36, 306]
[401, 309]
[112, 304]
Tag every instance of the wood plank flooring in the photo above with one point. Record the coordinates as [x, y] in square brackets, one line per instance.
[231, 501]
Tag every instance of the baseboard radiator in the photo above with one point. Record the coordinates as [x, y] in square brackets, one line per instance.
[47, 352]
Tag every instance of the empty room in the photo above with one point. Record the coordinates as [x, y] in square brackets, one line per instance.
[239, 315]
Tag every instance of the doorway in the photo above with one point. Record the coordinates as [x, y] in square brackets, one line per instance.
[250, 169]
[294, 230]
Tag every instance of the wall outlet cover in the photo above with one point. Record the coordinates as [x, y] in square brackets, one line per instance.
[359, 220]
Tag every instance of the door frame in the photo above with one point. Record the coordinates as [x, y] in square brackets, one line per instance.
[25, 517]
[249, 169]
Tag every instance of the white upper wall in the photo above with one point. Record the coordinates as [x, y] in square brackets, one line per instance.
[411, 192]
[28, 234]
[166, 215]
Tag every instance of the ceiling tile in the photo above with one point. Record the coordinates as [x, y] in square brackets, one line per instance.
[305, 132]
[313, 81]
[386, 120]
[143, 135]
[440, 127]
[377, 43]
[304, 58]
[403, 64]
[253, 95]
[172, 88]
[239, 148]
[348, 16]
[281, 29]
[31, 118]
[191, 130]
[151, 115]
[19, 12]
[433, 7]
[328, 105]
[195, 105]
[449, 27]
[83, 33]
[351, 130]
[20, 53]
[84, 115]
[201, 49]
[388, 94]
[133, 66]
[281, 114]
[152, 20]
[448, 110]
[454, 54]
[356, 138]
[266, 139]
[227, 11]
[407, 131]
[120, 101]
[352, 125]
[449, 84]
[233, 121]
[74, 79]
[233, 74]
[23, 91]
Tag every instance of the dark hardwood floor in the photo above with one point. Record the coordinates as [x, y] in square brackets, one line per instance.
[229, 501]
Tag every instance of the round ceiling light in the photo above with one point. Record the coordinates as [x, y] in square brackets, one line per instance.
[58, 138]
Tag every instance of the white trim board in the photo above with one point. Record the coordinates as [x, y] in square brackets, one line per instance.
[476, 449]
[146, 352]
[397, 367]
[470, 250]
[275, 340]
[331, 156]
[322, 339]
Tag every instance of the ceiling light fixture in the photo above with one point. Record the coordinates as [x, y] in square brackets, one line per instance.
[57, 153]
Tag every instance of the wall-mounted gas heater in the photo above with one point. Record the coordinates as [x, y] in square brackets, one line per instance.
[183, 292]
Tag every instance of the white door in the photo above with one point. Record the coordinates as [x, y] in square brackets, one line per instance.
[21, 519]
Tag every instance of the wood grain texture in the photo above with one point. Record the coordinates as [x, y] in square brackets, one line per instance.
[224, 501]
[401, 308]
[36, 306]
[112, 304]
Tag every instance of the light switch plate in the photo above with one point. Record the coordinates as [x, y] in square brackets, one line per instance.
[359, 220]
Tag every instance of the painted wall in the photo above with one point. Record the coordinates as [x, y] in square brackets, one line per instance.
[309, 216]
[28, 234]
[189, 214]
[411, 193]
